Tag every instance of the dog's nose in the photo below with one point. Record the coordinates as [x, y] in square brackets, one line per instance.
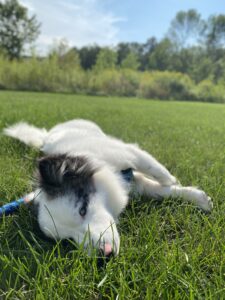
[106, 251]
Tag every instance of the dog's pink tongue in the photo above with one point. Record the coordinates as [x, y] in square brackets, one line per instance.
[107, 249]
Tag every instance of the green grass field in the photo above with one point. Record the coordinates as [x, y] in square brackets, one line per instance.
[169, 250]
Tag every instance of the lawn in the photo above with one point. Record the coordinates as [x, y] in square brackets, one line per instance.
[169, 250]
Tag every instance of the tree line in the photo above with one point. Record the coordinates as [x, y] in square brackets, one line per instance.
[192, 46]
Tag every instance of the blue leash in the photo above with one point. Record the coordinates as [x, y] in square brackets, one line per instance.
[10, 208]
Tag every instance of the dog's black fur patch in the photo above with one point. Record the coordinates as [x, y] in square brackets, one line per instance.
[61, 174]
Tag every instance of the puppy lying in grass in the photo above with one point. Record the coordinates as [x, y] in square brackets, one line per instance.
[80, 191]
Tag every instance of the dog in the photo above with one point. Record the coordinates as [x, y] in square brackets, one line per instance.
[79, 189]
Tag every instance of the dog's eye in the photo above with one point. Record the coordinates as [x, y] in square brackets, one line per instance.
[82, 211]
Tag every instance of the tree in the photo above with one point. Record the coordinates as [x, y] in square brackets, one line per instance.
[106, 59]
[186, 29]
[16, 28]
[161, 57]
[130, 61]
[70, 60]
[147, 49]
[59, 48]
[123, 49]
[66, 58]
[216, 31]
[88, 56]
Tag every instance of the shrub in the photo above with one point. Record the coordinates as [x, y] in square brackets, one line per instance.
[114, 82]
[40, 75]
[166, 85]
[208, 92]
[64, 74]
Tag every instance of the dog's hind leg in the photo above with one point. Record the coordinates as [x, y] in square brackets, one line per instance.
[147, 164]
[151, 188]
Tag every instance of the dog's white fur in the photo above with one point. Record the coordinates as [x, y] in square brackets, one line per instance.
[60, 219]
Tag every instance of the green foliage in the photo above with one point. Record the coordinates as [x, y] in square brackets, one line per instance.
[49, 74]
[16, 28]
[168, 250]
[161, 57]
[62, 73]
[122, 49]
[207, 91]
[216, 31]
[190, 57]
[114, 82]
[70, 60]
[88, 56]
[166, 85]
[187, 26]
[130, 62]
[106, 59]
[67, 59]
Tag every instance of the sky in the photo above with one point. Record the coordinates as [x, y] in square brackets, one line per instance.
[107, 22]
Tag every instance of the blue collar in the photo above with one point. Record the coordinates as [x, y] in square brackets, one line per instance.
[127, 175]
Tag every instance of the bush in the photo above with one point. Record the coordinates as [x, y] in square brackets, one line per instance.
[114, 82]
[208, 92]
[40, 75]
[166, 85]
[64, 74]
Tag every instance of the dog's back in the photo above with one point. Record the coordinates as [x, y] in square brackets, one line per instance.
[77, 137]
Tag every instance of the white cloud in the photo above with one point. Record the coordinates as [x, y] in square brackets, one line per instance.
[80, 22]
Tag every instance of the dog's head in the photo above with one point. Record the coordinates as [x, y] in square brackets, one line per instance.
[79, 200]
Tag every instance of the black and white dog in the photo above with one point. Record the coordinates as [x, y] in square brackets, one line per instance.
[80, 191]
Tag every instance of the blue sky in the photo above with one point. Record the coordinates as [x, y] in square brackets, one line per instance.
[107, 22]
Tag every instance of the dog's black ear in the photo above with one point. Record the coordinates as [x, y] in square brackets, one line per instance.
[50, 170]
[60, 173]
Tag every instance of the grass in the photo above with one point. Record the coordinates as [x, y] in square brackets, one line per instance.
[169, 250]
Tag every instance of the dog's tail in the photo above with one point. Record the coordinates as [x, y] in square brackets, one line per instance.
[27, 134]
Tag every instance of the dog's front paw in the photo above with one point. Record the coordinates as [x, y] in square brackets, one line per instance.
[205, 202]
[200, 199]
